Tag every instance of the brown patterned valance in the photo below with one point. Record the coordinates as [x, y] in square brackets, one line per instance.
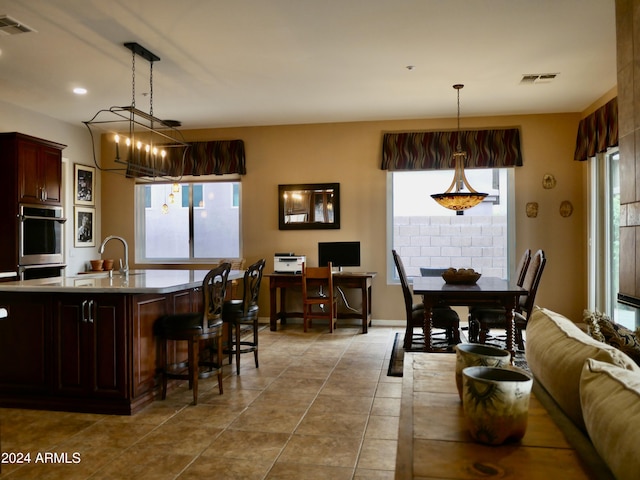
[597, 132]
[217, 157]
[434, 150]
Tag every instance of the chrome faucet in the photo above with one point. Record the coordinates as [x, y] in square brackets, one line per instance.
[124, 269]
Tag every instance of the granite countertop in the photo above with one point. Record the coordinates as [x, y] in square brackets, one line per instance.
[138, 281]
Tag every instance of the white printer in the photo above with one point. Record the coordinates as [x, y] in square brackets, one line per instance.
[288, 263]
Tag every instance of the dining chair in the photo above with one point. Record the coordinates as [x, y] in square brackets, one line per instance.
[490, 319]
[195, 327]
[318, 296]
[240, 314]
[486, 311]
[442, 317]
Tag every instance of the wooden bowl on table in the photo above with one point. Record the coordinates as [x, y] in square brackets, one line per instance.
[461, 276]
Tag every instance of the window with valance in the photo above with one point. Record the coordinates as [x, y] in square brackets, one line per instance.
[597, 132]
[217, 157]
[496, 148]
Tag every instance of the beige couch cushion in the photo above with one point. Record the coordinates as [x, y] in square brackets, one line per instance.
[556, 352]
[610, 398]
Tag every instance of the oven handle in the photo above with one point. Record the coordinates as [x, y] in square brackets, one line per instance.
[33, 217]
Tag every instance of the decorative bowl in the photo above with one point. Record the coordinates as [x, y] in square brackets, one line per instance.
[465, 276]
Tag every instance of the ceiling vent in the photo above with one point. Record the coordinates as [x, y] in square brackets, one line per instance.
[533, 78]
[11, 26]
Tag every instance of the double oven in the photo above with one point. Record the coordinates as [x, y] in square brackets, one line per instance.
[40, 241]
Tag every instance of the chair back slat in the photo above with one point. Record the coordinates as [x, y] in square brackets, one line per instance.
[406, 290]
[251, 285]
[521, 269]
[532, 281]
[214, 288]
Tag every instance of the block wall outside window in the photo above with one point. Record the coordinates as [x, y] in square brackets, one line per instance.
[478, 242]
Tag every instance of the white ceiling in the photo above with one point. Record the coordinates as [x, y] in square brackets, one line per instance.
[266, 62]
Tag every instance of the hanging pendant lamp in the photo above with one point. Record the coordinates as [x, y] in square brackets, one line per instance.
[454, 198]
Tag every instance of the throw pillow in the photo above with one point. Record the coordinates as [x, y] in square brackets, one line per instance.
[610, 399]
[556, 352]
[592, 319]
[615, 335]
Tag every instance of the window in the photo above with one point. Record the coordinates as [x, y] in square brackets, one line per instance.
[604, 233]
[427, 235]
[187, 222]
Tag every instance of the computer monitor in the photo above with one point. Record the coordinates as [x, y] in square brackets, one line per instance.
[340, 254]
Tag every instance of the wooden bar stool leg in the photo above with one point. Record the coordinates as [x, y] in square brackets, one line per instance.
[164, 359]
[219, 339]
[193, 368]
[237, 348]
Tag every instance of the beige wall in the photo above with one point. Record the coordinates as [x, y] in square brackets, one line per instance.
[349, 153]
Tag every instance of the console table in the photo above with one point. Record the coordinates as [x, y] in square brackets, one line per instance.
[433, 441]
[343, 280]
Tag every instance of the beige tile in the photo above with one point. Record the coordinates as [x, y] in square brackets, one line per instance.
[220, 468]
[247, 446]
[378, 455]
[365, 474]
[333, 424]
[273, 418]
[342, 404]
[382, 427]
[294, 471]
[389, 390]
[386, 406]
[316, 450]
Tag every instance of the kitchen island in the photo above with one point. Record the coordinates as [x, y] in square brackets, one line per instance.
[86, 343]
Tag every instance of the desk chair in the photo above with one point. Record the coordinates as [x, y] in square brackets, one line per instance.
[443, 317]
[244, 312]
[194, 328]
[318, 292]
[486, 320]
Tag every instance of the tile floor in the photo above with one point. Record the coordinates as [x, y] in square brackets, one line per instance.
[320, 406]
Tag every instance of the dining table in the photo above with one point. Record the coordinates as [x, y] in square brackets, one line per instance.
[487, 291]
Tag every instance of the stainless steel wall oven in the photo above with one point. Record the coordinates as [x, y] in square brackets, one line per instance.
[40, 237]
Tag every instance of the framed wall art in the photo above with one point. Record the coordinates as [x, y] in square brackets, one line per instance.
[84, 185]
[84, 227]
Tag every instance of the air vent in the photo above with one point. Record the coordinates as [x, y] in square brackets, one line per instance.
[11, 26]
[532, 78]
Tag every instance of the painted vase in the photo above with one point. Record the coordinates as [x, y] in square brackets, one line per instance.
[478, 355]
[496, 403]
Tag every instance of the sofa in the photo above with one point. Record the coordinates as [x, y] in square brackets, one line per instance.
[590, 387]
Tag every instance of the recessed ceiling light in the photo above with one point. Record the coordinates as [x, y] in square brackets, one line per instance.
[80, 91]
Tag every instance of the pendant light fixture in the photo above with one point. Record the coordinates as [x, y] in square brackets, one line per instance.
[454, 198]
[143, 142]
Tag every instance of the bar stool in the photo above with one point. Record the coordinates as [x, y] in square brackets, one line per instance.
[244, 312]
[194, 328]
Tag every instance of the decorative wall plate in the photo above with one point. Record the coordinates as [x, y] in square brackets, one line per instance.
[532, 209]
[548, 181]
[566, 208]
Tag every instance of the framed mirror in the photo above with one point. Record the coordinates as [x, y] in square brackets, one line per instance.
[309, 206]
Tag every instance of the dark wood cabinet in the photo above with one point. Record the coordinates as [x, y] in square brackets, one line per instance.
[86, 352]
[39, 172]
[32, 169]
[89, 346]
[24, 358]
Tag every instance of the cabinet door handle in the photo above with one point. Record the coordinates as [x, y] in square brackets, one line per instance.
[90, 311]
[84, 311]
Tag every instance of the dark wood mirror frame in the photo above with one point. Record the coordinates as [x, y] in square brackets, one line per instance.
[309, 206]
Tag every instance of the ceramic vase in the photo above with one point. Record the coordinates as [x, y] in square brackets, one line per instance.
[478, 355]
[496, 403]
